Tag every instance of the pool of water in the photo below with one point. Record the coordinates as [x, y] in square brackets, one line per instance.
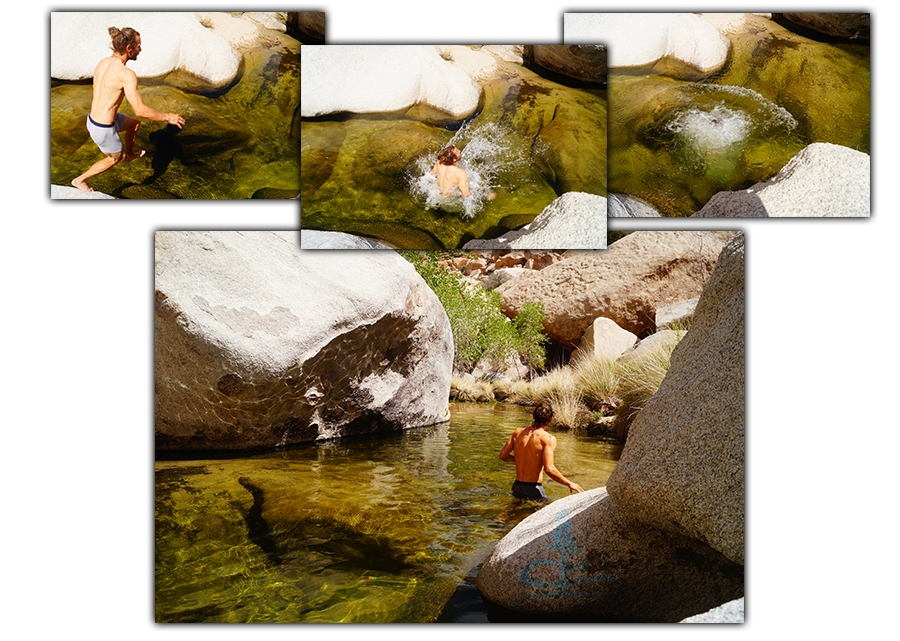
[532, 140]
[676, 143]
[384, 529]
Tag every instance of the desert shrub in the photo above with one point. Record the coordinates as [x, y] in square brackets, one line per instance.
[481, 332]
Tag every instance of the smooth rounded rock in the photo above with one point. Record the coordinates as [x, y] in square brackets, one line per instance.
[169, 41]
[382, 78]
[259, 344]
[638, 39]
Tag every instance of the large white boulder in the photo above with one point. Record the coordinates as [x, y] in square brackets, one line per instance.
[259, 343]
[604, 339]
[584, 556]
[376, 78]
[822, 181]
[575, 220]
[637, 39]
[627, 283]
[682, 469]
[169, 41]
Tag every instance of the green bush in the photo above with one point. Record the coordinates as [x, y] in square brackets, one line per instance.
[480, 329]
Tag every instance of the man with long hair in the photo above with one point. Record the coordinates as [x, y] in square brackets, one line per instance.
[531, 449]
[113, 82]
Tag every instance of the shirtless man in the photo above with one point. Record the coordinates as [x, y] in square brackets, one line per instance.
[450, 177]
[531, 449]
[113, 81]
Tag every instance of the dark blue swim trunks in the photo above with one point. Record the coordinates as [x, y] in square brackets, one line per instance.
[532, 491]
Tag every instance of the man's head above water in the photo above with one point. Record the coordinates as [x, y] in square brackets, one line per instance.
[124, 38]
[449, 155]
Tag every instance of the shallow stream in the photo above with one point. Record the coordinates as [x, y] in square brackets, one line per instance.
[384, 529]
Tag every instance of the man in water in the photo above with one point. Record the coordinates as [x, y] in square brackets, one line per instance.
[450, 177]
[113, 81]
[531, 449]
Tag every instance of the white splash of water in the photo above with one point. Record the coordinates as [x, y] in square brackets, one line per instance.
[711, 131]
[490, 156]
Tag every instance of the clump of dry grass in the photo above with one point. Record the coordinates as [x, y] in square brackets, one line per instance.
[598, 379]
[569, 409]
[639, 380]
[585, 386]
[462, 389]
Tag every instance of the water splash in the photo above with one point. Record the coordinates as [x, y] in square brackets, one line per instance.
[492, 157]
[718, 124]
[711, 131]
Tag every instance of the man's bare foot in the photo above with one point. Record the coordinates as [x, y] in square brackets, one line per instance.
[137, 154]
[80, 184]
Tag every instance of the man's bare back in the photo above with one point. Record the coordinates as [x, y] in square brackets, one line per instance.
[109, 90]
[531, 449]
[451, 178]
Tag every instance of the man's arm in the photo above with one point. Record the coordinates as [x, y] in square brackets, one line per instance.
[506, 454]
[551, 470]
[463, 183]
[130, 85]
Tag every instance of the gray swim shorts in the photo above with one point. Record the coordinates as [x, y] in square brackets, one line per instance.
[106, 136]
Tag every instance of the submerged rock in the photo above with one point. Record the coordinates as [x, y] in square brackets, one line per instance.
[585, 557]
[682, 469]
[382, 78]
[822, 181]
[169, 41]
[259, 344]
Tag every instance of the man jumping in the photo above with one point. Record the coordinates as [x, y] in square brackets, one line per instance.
[113, 81]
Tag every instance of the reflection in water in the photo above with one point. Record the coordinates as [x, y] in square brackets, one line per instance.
[380, 529]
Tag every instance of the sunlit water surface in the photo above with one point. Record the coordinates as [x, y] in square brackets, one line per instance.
[381, 529]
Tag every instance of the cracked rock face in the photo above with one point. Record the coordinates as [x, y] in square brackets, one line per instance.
[259, 345]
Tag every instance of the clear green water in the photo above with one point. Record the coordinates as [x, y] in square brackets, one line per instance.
[533, 140]
[377, 530]
[676, 143]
